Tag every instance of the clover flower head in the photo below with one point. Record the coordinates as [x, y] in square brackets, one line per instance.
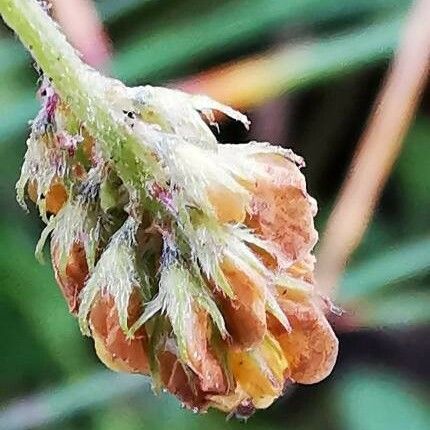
[183, 258]
[199, 270]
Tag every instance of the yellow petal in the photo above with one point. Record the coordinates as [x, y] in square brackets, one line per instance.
[260, 372]
[229, 402]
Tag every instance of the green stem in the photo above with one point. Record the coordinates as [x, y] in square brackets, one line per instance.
[82, 88]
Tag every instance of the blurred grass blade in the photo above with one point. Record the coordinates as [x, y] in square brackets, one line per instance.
[382, 270]
[393, 112]
[397, 310]
[252, 81]
[63, 402]
[111, 10]
[172, 36]
[83, 28]
[169, 40]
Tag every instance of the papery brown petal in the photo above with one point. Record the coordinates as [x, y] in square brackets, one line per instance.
[112, 345]
[281, 210]
[311, 347]
[245, 315]
[184, 385]
[201, 359]
[72, 279]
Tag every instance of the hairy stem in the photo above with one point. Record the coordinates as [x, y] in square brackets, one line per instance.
[82, 88]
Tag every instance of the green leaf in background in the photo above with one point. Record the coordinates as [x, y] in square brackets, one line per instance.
[377, 400]
[10, 63]
[391, 266]
[111, 10]
[412, 172]
[32, 289]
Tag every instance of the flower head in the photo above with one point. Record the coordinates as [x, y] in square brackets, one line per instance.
[195, 265]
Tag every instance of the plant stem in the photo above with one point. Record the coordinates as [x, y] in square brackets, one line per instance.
[82, 88]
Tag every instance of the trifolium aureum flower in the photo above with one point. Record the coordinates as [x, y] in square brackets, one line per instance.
[196, 270]
[183, 259]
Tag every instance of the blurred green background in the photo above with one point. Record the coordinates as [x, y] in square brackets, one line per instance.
[330, 58]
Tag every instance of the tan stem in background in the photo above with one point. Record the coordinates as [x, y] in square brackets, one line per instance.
[84, 30]
[378, 149]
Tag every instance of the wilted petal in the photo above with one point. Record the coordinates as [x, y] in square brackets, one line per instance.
[188, 306]
[115, 275]
[202, 176]
[245, 314]
[304, 269]
[183, 384]
[71, 279]
[311, 347]
[201, 359]
[56, 198]
[281, 210]
[112, 345]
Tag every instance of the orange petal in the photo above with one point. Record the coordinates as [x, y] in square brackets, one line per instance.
[281, 210]
[184, 385]
[311, 347]
[112, 346]
[201, 359]
[55, 197]
[245, 315]
[72, 279]
[229, 206]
